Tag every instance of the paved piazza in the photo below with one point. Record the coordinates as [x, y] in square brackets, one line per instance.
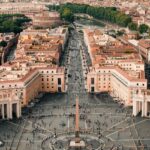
[54, 114]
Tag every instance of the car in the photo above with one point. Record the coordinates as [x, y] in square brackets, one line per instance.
[31, 105]
[1, 143]
[69, 75]
[36, 100]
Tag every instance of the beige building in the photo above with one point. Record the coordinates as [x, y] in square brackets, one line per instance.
[144, 49]
[35, 69]
[46, 19]
[116, 68]
[141, 103]
[23, 8]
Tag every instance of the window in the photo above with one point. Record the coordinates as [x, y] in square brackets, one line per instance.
[42, 79]
[47, 79]
[92, 89]
[59, 89]
[52, 79]
[92, 80]
[59, 81]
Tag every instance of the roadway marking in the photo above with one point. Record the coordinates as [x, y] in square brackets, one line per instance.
[68, 122]
[85, 125]
[108, 136]
[116, 124]
[40, 127]
[24, 128]
[126, 140]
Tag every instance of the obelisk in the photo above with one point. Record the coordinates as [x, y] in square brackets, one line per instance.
[77, 121]
[77, 143]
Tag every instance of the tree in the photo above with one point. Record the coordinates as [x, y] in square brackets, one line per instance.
[143, 28]
[133, 26]
[110, 14]
[3, 43]
[67, 15]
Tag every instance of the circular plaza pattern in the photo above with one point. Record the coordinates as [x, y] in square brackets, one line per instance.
[62, 141]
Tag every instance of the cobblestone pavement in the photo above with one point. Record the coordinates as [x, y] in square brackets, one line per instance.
[54, 113]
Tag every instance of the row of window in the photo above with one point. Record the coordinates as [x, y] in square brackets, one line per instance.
[104, 87]
[47, 71]
[4, 96]
[104, 71]
[104, 79]
[125, 64]
[47, 87]
[59, 80]
[9, 86]
[48, 79]
[142, 84]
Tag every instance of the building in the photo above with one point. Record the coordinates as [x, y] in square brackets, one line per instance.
[21, 8]
[141, 103]
[144, 48]
[46, 19]
[116, 68]
[35, 69]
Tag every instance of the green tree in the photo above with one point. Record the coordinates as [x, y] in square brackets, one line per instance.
[3, 43]
[143, 28]
[67, 15]
[133, 26]
[110, 14]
